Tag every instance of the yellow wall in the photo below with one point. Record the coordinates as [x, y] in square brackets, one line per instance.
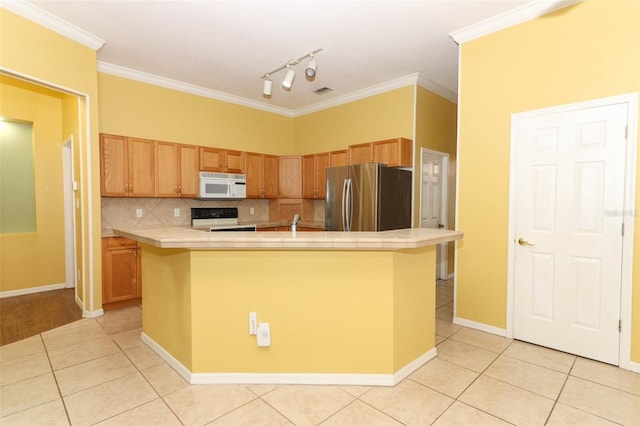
[436, 121]
[19, 252]
[34, 51]
[384, 116]
[131, 108]
[329, 311]
[585, 51]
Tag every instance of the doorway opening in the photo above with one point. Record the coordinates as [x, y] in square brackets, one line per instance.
[434, 178]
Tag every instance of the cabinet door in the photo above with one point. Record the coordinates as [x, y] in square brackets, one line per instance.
[235, 162]
[212, 159]
[253, 170]
[141, 167]
[322, 163]
[290, 177]
[270, 176]
[188, 171]
[308, 176]
[113, 166]
[121, 275]
[360, 154]
[338, 158]
[394, 152]
[166, 169]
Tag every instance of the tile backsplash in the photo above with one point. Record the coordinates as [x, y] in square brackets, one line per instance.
[160, 211]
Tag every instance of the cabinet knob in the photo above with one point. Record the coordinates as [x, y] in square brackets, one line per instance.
[121, 243]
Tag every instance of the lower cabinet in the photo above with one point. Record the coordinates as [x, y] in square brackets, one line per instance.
[121, 273]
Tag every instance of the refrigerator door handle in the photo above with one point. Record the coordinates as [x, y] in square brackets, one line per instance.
[344, 205]
[349, 206]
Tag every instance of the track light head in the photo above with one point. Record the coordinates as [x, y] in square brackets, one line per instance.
[268, 84]
[310, 71]
[288, 77]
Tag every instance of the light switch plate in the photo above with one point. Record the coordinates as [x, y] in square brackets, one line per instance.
[138, 212]
[176, 212]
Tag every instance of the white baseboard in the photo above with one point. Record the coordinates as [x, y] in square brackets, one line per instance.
[169, 359]
[93, 314]
[288, 378]
[31, 290]
[632, 366]
[405, 371]
[480, 326]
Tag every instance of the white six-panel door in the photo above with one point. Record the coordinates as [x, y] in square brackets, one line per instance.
[568, 230]
[431, 191]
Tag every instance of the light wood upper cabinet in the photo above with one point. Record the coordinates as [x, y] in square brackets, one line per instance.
[360, 153]
[177, 168]
[234, 162]
[221, 160]
[290, 177]
[338, 158]
[126, 166]
[262, 175]
[309, 176]
[394, 152]
[188, 171]
[212, 159]
[134, 167]
[270, 175]
[314, 172]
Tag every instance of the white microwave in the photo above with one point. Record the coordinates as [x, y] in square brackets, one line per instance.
[222, 186]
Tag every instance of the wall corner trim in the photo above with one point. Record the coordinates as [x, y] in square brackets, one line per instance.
[508, 19]
[47, 20]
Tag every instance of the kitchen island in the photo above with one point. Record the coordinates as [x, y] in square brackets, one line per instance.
[343, 308]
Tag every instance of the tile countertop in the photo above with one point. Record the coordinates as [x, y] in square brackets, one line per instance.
[184, 237]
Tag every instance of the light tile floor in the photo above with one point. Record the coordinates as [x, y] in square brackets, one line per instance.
[98, 371]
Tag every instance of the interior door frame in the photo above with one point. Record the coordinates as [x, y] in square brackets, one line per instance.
[631, 99]
[69, 216]
[443, 248]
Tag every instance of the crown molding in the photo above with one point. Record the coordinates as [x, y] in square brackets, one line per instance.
[436, 88]
[408, 80]
[47, 20]
[180, 86]
[513, 17]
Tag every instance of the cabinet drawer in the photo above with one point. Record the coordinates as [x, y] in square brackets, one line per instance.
[119, 242]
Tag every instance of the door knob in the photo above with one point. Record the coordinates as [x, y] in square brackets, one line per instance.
[525, 242]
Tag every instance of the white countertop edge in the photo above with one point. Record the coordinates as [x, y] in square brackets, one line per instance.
[187, 238]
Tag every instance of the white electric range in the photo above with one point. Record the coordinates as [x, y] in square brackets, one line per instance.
[214, 219]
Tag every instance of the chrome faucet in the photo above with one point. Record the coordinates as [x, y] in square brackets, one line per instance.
[294, 224]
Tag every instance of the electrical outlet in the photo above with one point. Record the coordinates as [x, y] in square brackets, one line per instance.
[253, 323]
[138, 213]
[176, 212]
[252, 210]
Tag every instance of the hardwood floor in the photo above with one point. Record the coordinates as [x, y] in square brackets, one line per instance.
[26, 316]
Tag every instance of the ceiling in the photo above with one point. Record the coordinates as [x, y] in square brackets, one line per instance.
[226, 46]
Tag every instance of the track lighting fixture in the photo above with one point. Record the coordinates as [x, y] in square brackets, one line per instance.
[310, 71]
[266, 91]
[290, 75]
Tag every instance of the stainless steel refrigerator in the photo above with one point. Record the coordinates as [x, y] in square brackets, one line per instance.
[367, 197]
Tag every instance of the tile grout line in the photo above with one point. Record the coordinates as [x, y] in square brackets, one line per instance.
[55, 379]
